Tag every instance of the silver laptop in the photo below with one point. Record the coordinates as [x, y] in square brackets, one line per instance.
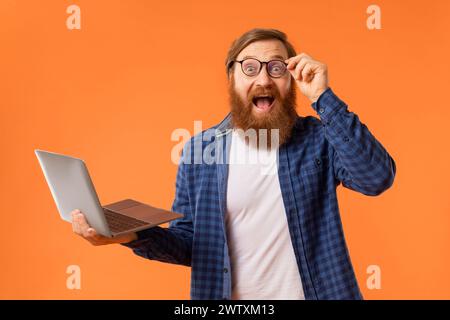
[72, 188]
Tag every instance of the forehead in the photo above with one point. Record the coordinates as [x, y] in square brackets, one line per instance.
[264, 50]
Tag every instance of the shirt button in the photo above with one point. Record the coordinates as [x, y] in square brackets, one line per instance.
[346, 139]
[321, 110]
[225, 270]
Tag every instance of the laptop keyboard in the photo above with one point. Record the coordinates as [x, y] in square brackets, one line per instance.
[118, 222]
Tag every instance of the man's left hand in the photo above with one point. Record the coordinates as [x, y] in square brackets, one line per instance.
[310, 75]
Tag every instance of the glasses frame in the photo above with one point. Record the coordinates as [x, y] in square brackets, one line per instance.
[261, 63]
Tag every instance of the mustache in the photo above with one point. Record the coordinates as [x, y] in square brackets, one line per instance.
[267, 91]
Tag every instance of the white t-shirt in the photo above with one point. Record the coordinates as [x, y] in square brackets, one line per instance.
[263, 264]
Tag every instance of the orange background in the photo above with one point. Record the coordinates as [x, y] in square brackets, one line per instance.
[113, 92]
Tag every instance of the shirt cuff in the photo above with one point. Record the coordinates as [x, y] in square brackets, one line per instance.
[327, 104]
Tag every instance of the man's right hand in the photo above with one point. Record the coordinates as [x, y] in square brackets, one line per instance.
[82, 228]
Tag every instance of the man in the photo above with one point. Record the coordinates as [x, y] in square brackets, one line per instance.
[251, 235]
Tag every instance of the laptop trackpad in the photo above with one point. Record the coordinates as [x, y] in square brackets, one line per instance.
[146, 213]
[141, 211]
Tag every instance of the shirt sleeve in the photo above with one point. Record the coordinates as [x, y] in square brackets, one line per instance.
[360, 162]
[172, 244]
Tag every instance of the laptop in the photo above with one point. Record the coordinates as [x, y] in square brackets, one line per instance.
[72, 188]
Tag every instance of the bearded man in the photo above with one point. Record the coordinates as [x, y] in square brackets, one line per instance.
[252, 233]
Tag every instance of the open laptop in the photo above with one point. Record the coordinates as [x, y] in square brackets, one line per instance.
[72, 188]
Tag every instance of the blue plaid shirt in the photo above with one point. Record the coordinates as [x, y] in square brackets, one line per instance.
[320, 155]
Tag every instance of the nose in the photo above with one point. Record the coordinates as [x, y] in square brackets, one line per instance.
[263, 79]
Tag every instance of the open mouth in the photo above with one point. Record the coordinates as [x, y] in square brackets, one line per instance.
[263, 103]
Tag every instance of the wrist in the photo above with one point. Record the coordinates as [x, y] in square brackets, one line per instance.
[128, 238]
[317, 96]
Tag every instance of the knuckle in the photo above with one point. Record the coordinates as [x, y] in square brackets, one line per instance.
[86, 235]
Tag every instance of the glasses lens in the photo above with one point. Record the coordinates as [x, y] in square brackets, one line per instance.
[276, 68]
[251, 67]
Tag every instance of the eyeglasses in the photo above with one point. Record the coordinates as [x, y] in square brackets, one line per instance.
[252, 67]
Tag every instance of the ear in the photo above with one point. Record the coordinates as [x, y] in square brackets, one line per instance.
[230, 74]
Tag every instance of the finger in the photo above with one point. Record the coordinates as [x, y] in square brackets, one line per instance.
[75, 225]
[306, 72]
[299, 69]
[92, 234]
[82, 223]
[73, 213]
[293, 61]
[98, 239]
[297, 57]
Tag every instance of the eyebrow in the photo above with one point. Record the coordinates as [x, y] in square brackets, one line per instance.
[277, 56]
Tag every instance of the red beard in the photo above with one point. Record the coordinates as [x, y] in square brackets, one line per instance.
[281, 116]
